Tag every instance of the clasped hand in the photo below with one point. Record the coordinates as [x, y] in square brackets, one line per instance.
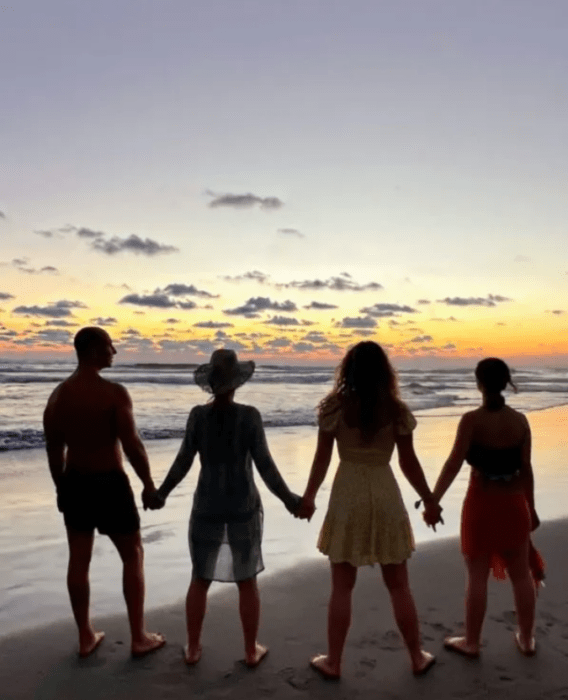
[432, 514]
[306, 509]
[152, 500]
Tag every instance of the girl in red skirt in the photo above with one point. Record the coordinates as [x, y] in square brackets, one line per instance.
[498, 512]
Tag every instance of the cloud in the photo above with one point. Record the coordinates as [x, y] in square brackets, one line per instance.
[5, 296]
[449, 346]
[423, 301]
[421, 339]
[49, 269]
[212, 324]
[252, 307]
[450, 318]
[320, 306]
[46, 234]
[291, 232]
[61, 323]
[23, 264]
[357, 322]
[557, 312]
[342, 283]
[2, 215]
[133, 243]
[243, 201]
[278, 343]
[159, 301]
[172, 320]
[283, 321]
[489, 300]
[51, 335]
[177, 290]
[58, 309]
[387, 310]
[102, 321]
[255, 275]
[89, 233]
[302, 347]
[112, 245]
[315, 337]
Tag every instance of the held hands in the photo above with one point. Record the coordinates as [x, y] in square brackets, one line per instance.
[432, 514]
[307, 509]
[152, 500]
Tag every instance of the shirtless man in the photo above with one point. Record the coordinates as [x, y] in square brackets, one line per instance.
[85, 421]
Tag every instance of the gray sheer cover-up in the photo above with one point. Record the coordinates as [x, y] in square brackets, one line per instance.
[225, 526]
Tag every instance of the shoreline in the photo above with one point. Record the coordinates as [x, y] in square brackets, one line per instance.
[42, 663]
[33, 550]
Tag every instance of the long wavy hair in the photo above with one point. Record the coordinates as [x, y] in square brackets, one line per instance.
[367, 388]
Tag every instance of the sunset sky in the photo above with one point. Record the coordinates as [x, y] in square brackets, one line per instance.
[285, 177]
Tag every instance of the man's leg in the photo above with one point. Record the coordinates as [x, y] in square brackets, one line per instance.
[132, 554]
[80, 551]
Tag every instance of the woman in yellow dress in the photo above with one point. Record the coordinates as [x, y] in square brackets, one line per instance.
[366, 520]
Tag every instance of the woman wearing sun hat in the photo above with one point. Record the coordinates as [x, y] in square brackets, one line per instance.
[225, 527]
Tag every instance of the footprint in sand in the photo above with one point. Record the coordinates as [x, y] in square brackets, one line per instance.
[438, 626]
[370, 663]
[297, 679]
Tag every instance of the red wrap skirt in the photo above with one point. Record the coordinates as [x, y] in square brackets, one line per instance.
[496, 518]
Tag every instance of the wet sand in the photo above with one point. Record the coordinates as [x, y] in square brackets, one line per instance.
[43, 663]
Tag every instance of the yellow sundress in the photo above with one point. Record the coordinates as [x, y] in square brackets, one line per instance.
[366, 520]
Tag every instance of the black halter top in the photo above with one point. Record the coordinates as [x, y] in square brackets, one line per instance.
[495, 462]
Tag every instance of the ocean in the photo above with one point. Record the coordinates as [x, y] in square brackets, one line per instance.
[286, 396]
[33, 549]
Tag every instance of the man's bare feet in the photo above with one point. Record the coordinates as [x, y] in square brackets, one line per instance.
[191, 656]
[527, 649]
[324, 668]
[460, 646]
[423, 664]
[151, 642]
[253, 660]
[88, 645]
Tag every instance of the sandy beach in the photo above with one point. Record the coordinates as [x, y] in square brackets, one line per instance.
[42, 664]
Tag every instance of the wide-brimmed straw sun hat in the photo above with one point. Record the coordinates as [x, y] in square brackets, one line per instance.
[223, 372]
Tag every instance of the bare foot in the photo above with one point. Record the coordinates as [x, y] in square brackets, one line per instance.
[88, 646]
[252, 660]
[460, 646]
[424, 664]
[193, 656]
[527, 649]
[151, 642]
[324, 668]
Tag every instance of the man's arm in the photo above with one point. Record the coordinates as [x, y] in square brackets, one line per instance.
[130, 440]
[54, 442]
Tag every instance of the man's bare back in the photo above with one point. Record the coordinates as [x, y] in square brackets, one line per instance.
[85, 412]
[86, 420]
